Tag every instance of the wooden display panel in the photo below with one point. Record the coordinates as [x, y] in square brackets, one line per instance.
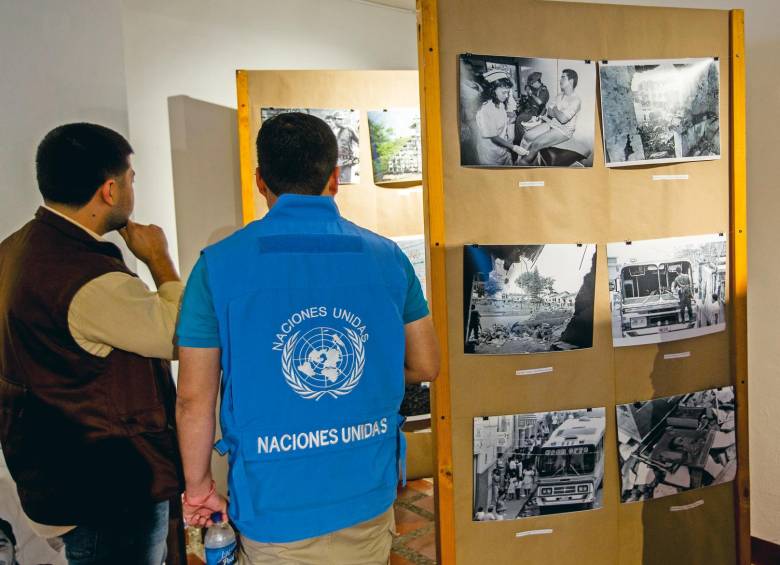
[466, 205]
[390, 212]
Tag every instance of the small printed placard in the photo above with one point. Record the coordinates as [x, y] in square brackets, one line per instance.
[533, 533]
[685, 507]
[670, 177]
[537, 371]
[681, 355]
[530, 183]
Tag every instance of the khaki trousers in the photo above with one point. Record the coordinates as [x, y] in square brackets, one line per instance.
[367, 543]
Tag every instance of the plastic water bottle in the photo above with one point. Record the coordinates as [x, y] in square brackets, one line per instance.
[220, 542]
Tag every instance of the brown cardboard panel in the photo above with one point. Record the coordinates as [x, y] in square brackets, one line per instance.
[642, 372]
[579, 378]
[588, 536]
[389, 211]
[594, 206]
[651, 534]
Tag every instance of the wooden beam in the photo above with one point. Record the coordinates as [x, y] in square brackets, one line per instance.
[433, 188]
[738, 282]
[245, 136]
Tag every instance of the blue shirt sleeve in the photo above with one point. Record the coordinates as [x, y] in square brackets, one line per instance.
[198, 324]
[415, 306]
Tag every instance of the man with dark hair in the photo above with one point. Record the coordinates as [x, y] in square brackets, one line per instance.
[7, 544]
[313, 322]
[86, 394]
[561, 117]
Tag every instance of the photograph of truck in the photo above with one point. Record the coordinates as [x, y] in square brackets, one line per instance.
[678, 443]
[539, 463]
[667, 289]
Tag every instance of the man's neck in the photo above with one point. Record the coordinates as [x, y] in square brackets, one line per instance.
[81, 216]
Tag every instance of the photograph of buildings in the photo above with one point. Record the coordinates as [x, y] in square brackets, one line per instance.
[539, 463]
[346, 127]
[526, 112]
[396, 151]
[528, 298]
[660, 111]
[678, 443]
[667, 289]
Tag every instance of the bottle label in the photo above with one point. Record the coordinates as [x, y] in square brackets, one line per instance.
[222, 555]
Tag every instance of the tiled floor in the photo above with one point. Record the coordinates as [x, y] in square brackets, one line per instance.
[416, 542]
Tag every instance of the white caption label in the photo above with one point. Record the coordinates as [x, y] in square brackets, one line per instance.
[530, 183]
[690, 506]
[537, 371]
[681, 355]
[670, 177]
[533, 533]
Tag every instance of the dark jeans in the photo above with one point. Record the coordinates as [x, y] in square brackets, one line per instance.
[126, 538]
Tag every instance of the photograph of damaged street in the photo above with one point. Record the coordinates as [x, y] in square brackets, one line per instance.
[539, 463]
[528, 298]
[678, 443]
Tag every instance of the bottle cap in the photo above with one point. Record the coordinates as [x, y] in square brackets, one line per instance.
[216, 517]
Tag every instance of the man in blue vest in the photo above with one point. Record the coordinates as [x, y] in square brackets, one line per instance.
[313, 323]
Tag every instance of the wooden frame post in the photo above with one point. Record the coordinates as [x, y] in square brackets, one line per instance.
[738, 285]
[245, 136]
[433, 187]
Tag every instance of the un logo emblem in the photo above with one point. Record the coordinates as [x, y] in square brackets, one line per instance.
[323, 362]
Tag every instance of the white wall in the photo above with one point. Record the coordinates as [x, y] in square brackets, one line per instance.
[762, 22]
[59, 62]
[193, 48]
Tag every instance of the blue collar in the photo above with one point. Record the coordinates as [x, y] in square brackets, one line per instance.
[303, 207]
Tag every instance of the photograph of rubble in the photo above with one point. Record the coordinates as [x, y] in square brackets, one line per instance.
[520, 299]
[539, 463]
[667, 289]
[396, 151]
[663, 111]
[526, 112]
[346, 127]
[678, 443]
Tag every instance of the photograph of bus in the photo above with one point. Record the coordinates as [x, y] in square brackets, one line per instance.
[538, 463]
[677, 443]
[667, 289]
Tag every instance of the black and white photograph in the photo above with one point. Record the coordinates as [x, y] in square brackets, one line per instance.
[413, 247]
[396, 151]
[677, 443]
[540, 463]
[346, 127]
[667, 289]
[521, 299]
[526, 112]
[663, 111]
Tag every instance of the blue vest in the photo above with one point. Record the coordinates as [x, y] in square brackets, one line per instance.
[310, 310]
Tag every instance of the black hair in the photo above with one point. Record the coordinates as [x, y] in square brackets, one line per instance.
[8, 530]
[500, 83]
[296, 153]
[571, 75]
[73, 160]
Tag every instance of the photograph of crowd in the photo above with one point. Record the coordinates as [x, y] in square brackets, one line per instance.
[396, 151]
[526, 112]
[667, 289]
[346, 127]
[660, 111]
[678, 443]
[543, 463]
[528, 298]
